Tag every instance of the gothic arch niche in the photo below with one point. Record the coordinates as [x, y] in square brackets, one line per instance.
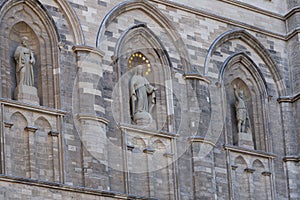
[29, 18]
[139, 46]
[18, 31]
[239, 73]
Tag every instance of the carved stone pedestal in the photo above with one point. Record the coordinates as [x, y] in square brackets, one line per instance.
[142, 118]
[245, 140]
[27, 94]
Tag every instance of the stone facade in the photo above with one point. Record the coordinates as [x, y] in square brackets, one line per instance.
[80, 141]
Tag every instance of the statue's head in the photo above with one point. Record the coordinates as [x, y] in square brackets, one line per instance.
[139, 69]
[241, 93]
[24, 41]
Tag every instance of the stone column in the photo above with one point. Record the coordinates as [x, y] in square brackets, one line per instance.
[55, 156]
[90, 116]
[250, 172]
[31, 135]
[203, 169]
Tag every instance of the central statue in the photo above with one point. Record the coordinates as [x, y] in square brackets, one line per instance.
[142, 98]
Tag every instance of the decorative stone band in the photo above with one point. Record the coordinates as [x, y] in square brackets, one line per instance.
[197, 77]
[32, 129]
[252, 152]
[88, 49]
[202, 140]
[289, 99]
[93, 117]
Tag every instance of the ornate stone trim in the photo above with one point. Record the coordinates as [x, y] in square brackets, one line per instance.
[195, 139]
[197, 77]
[249, 151]
[89, 49]
[94, 118]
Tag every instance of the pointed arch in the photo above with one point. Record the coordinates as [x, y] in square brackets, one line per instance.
[250, 40]
[155, 14]
[36, 17]
[42, 121]
[243, 58]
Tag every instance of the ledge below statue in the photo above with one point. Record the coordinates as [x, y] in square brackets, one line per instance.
[27, 94]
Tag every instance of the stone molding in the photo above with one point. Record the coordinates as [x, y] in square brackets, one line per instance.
[249, 170]
[35, 108]
[249, 151]
[93, 118]
[291, 159]
[68, 188]
[53, 133]
[8, 124]
[196, 139]
[89, 49]
[196, 77]
[139, 129]
[32, 129]
[289, 99]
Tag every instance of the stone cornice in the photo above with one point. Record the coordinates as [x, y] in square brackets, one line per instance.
[89, 49]
[93, 118]
[31, 107]
[249, 151]
[197, 77]
[289, 99]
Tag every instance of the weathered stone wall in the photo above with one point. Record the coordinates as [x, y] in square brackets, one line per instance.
[83, 138]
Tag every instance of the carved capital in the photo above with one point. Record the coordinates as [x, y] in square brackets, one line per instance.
[130, 147]
[32, 129]
[266, 173]
[8, 124]
[53, 133]
[249, 170]
[149, 150]
[234, 167]
[169, 154]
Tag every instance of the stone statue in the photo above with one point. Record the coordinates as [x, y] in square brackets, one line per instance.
[242, 114]
[142, 97]
[24, 64]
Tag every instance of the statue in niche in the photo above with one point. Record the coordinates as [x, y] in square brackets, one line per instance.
[242, 115]
[142, 98]
[25, 90]
[24, 64]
